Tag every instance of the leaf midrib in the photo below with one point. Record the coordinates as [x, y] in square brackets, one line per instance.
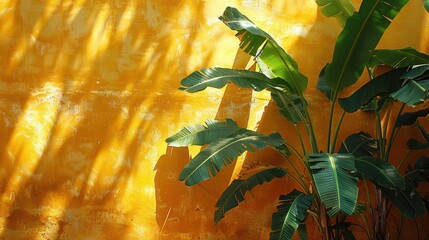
[353, 47]
[384, 173]
[205, 130]
[337, 182]
[216, 152]
[220, 77]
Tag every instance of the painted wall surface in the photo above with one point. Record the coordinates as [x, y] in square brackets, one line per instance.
[88, 93]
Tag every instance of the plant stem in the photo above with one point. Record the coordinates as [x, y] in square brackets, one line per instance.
[317, 218]
[337, 130]
[304, 152]
[403, 159]
[331, 116]
[394, 133]
[294, 150]
[367, 231]
[371, 210]
[313, 139]
[299, 180]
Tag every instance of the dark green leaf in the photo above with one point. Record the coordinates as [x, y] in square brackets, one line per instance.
[323, 86]
[409, 118]
[360, 36]
[341, 10]
[260, 44]
[380, 172]
[413, 144]
[398, 58]
[219, 77]
[291, 212]
[417, 72]
[407, 201]
[418, 173]
[221, 152]
[235, 192]
[360, 145]
[302, 231]
[382, 85]
[336, 186]
[200, 135]
[412, 93]
[290, 106]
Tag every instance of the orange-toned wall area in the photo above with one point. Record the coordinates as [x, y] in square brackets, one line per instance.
[88, 93]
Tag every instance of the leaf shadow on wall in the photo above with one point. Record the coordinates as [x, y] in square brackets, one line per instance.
[86, 122]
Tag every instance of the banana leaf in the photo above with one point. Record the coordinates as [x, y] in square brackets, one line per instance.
[382, 85]
[360, 145]
[219, 77]
[340, 9]
[260, 44]
[412, 93]
[291, 212]
[408, 201]
[222, 152]
[398, 58]
[234, 193]
[198, 134]
[413, 144]
[380, 172]
[334, 182]
[360, 36]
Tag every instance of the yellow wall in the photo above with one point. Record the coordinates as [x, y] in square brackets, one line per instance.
[88, 93]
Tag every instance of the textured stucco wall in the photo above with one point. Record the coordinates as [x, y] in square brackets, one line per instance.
[88, 93]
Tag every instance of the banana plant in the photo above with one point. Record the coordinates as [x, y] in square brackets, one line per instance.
[329, 192]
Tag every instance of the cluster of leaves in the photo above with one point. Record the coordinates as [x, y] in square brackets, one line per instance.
[332, 189]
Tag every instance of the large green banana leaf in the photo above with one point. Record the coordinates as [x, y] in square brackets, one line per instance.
[223, 151]
[398, 58]
[336, 186]
[219, 77]
[413, 92]
[260, 44]
[198, 134]
[384, 84]
[380, 172]
[291, 212]
[426, 4]
[234, 193]
[359, 144]
[288, 104]
[360, 36]
[408, 201]
[340, 9]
